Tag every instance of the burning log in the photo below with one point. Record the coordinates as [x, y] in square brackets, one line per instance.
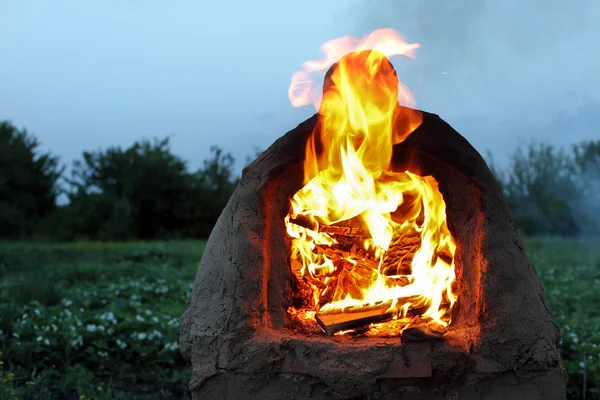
[337, 251]
[356, 317]
[347, 228]
[398, 258]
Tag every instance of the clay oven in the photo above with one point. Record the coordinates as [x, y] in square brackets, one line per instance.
[304, 294]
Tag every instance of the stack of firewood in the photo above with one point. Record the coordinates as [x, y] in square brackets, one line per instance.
[355, 267]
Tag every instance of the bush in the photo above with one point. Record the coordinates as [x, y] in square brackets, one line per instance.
[552, 191]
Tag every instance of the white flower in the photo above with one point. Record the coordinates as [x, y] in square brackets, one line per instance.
[67, 302]
[47, 342]
[103, 354]
[141, 336]
[54, 328]
[155, 320]
[155, 333]
[39, 338]
[148, 312]
[140, 318]
[121, 344]
[77, 342]
[15, 335]
[91, 328]
[110, 331]
[36, 311]
[172, 346]
[162, 290]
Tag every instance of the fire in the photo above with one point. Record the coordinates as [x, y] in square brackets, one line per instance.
[364, 236]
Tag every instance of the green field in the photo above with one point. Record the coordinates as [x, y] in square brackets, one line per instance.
[100, 320]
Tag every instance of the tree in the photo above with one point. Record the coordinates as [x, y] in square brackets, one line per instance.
[146, 192]
[587, 162]
[28, 182]
[134, 192]
[542, 189]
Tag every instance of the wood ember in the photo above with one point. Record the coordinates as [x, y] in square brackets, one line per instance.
[356, 317]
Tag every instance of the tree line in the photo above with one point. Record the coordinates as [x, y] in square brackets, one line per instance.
[553, 190]
[140, 192]
[146, 192]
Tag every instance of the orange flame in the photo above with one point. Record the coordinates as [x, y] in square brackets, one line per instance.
[388, 42]
[348, 181]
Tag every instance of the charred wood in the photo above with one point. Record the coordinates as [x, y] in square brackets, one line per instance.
[398, 259]
[356, 317]
[349, 228]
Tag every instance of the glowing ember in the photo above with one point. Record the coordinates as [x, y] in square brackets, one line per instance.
[364, 236]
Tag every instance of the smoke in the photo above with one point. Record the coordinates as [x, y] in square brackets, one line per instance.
[513, 58]
[553, 190]
[586, 206]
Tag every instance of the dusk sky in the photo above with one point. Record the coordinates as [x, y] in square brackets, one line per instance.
[83, 75]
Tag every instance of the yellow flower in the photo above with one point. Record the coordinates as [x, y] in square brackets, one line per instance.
[82, 397]
[1, 362]
[100, 389]
[30, 383]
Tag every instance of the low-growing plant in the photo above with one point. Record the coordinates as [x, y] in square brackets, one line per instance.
[113, 331]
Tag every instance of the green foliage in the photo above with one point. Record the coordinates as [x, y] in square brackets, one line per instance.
[140, 192]
[587, 162]
[144, 192]
[134, 193]
[113, 333]
[552, 191]
[28, 187]
[110, 329]
[570, 271]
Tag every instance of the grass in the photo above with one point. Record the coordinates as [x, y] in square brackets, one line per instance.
[570, 271]
[100, 320]
[94, 321]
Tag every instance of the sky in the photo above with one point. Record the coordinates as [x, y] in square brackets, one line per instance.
[85, 75]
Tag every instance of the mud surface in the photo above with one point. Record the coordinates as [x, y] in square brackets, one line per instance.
[502, 335]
